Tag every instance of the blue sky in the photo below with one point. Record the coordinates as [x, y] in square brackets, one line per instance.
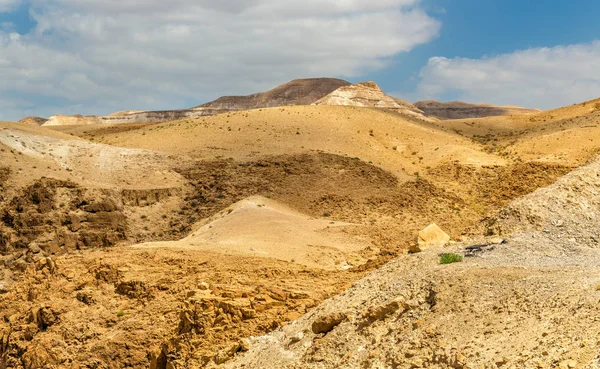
[477, 28]
[96, 57]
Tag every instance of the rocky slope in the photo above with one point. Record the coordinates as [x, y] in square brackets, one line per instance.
[296, 92]
[258, 214]
[369, 94]
[537, 291]
[462, 110]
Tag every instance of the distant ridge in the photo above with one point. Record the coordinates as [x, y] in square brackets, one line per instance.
[296, 92]
[463, 110]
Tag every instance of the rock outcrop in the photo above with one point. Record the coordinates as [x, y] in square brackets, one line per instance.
[71, 120]
[462, 110]
[431, 237]
[36, 121]
[370, 95]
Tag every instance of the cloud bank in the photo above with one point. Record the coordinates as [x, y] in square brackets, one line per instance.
[539, 77]
[94, 57]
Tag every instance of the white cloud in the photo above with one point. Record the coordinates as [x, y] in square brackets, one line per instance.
[128, 54]
[538, 77]
[8, 5]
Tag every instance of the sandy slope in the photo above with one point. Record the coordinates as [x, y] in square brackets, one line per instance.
[260, 227]
[568, 135]
[51, 153]
[386, 139]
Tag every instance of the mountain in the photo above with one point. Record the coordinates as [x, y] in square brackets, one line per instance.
[462, 110]
[296, 92]
[369, 94]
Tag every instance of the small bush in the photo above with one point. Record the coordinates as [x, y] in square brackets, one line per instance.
[450, 258]
[121, 313]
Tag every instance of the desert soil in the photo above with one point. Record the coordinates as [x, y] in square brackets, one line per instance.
[169, 245]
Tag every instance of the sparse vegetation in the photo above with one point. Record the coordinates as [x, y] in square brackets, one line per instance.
[450, 258]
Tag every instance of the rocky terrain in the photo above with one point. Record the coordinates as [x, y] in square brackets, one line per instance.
[462, 110]
[536, 291]
[368, 94]
[279, 237]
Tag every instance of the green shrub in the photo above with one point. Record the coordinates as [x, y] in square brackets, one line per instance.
[450, 258]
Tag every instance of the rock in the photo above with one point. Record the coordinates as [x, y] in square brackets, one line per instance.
[429, 238]
[20, 265]
[567, 364]
[135, 289]
[227, 353]
[242, 308]
[297, 337]
[382, 311]
[416, 363]
[43, 317]
[277, 294]
[326, 323]
[106, 205]
[85, 296]
[34, 248]
[244, 345]
[197, 295]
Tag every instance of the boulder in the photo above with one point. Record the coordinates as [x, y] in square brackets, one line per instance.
[326, 323]
[429, 238]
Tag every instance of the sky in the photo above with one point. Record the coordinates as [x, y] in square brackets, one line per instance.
[97, 57]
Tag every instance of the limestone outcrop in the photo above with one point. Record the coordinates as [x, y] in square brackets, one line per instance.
[370, 95]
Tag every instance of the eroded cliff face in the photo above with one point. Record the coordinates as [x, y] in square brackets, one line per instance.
[71, 120]
[462, 110]
[369, 94]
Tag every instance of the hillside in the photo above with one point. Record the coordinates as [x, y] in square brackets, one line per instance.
[538, 290]
[395, 142]
[38, 121]
[462, 110]
[171, 244]
[568, 135]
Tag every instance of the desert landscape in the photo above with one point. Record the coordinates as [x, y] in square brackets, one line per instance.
[303, 227]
